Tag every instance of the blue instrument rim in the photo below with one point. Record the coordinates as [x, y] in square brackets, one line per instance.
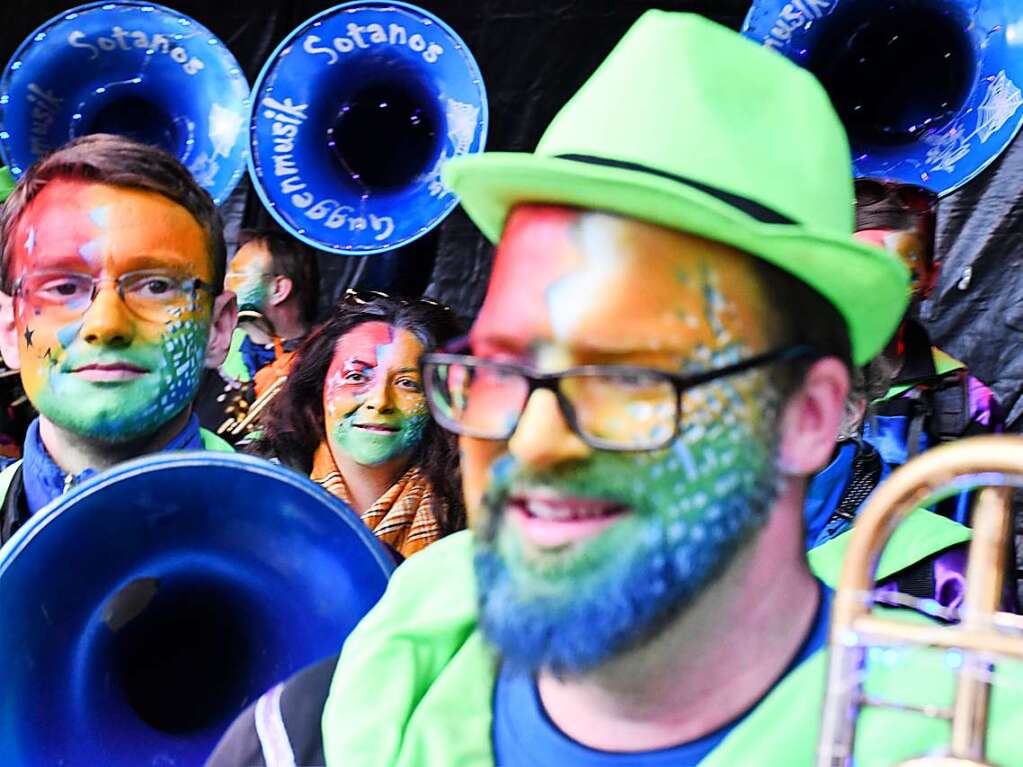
[271, 62]
[137, 467]
[992, 62]
[148, 7]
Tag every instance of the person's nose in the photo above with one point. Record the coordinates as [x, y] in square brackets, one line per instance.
[378, 397]
[107, 321]
[543, 439]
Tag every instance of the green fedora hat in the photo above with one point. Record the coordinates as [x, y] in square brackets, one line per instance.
[691, 126]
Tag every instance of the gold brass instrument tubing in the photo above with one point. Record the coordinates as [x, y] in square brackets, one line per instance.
[983, 634]
[242, 426]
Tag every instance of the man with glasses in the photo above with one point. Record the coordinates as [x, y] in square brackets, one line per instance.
[112, 272]
[660, 362]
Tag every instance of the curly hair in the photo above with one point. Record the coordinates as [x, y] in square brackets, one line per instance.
[295, 425]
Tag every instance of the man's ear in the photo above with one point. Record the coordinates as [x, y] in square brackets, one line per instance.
[9, 333]
[811, 418]
[282, 287]
[225, 318]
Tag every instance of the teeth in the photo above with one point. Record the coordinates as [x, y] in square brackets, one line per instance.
[565, 512]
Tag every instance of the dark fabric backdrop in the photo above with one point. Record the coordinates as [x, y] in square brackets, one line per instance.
[533, 55]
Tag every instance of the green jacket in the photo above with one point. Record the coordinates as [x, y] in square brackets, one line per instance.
[415, 681]
[234, 363]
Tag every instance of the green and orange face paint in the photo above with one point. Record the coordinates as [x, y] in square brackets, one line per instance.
[373, 403]
[109, 374]
[574, 288]
[250, 275]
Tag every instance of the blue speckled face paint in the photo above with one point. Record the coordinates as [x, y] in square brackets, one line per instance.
[109, 374]
[572, 288]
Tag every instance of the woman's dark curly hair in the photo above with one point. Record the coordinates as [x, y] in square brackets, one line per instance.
[294, 426]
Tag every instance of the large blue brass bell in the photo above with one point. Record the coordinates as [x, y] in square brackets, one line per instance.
[928, 90]
[131, 68]
[143, 611]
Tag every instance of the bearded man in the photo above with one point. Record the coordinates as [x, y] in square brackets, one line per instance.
[113, 304]
[660, 362]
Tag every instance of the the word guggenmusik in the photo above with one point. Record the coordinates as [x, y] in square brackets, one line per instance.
[286, 119]
[363, 36]
[125, 40]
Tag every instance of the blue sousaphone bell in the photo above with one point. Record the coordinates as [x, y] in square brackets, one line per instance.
[354, 116]
[130, 68]
[929, 90]
[146, 609]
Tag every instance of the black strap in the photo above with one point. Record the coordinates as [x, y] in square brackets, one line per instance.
[14, 508]
[750, 207]
[866, 475]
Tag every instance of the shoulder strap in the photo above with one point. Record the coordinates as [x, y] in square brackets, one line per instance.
[10, 511]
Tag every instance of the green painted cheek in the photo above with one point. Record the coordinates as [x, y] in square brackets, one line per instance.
[253, 291]
[371, 448]
[120, 412]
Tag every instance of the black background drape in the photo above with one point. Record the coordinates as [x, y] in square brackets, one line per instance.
[534, 55]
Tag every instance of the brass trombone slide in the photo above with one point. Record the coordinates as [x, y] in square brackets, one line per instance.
[994, 463]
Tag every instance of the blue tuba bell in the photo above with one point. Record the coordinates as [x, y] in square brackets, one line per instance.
[354, 116]
[146, 609]
[928, 90]
[134, 69]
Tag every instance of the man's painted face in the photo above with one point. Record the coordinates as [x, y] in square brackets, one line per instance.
[581, 552]
[108, 373]
[373, 404]
[250, 274]
[911, 248]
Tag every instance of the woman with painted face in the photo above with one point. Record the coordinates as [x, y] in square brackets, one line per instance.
[352, 415]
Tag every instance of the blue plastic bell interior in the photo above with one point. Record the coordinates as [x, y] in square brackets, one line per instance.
[353, 117]
[131, 68]
[929, 90]
[145, 609]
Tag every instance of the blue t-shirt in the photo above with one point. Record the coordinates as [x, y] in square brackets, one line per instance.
[524, 736]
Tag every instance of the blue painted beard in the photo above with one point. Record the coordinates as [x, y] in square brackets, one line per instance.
[692, 505]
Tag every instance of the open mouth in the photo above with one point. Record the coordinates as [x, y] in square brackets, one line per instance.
[553, 521]
[111, 371]
[378, 427]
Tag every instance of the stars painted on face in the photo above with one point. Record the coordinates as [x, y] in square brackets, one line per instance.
[104, 371]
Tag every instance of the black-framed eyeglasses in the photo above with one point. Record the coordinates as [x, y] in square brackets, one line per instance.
[610, 407]
[152, 294]
[909, 197]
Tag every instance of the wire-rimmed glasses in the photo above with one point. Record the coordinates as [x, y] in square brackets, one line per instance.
[152, 294]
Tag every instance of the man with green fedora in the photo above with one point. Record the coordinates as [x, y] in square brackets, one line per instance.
[659, 364]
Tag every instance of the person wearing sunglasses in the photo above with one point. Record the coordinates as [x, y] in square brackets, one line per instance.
[932, 398]
[112, 306]
[660, 362]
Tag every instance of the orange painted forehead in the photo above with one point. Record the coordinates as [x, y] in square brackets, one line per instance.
[376, 344]
[253, 256]
[85, 226]
[594, 281]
